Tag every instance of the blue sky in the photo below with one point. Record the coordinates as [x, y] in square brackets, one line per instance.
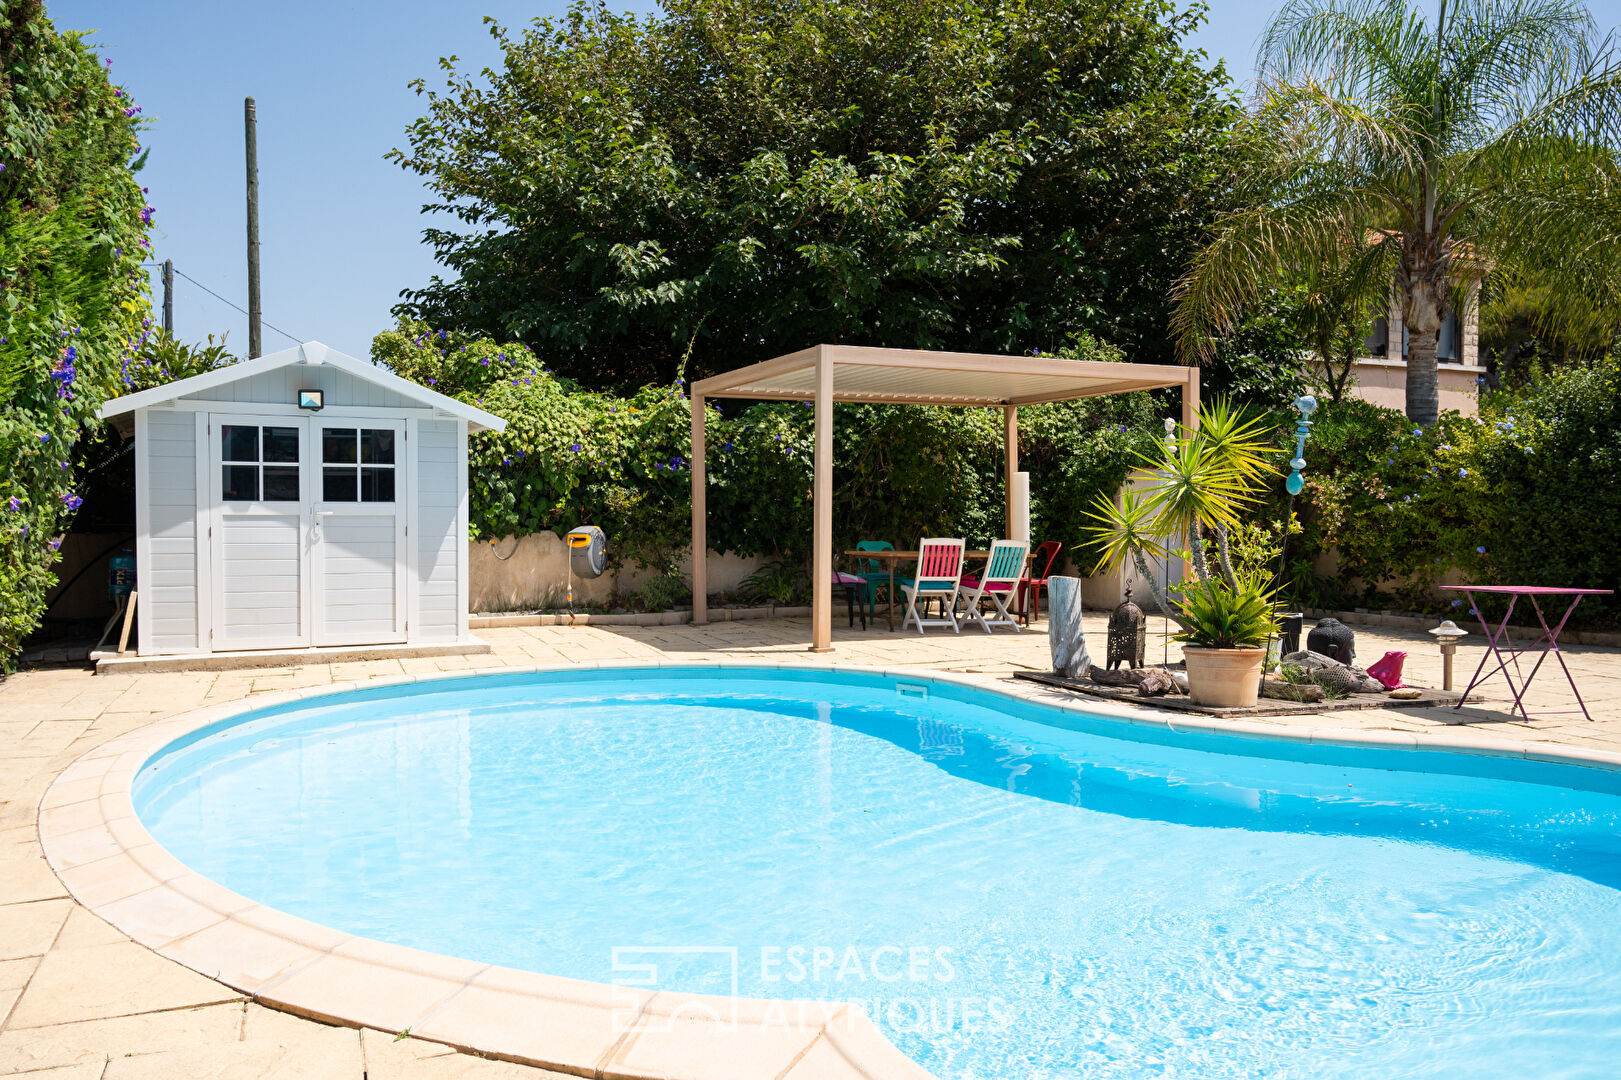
[340, 228]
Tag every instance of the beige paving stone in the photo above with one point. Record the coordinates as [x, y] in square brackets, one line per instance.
[389, 1057]
[83, 930]
[29, 929]
[25, 1048]
[90, 1070]
[25, 875]
[73, 985]
[316, 1052]
[14, 974]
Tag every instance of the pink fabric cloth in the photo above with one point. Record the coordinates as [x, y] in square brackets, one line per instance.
[972, 582]
[840, 578]
[1387, 669]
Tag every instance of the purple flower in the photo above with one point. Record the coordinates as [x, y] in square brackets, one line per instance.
[728, 446]
[1480, 551]
[146, 215]
[1457, 603]
[14, 505]
[44, 436]
[485, 361]
[433, 382]
[1463, 472]
[574, 447]
[56, 544]
[72, 501]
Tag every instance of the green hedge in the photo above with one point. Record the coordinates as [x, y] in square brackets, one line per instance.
[1527, 494]
[570, 457]
[73, 223]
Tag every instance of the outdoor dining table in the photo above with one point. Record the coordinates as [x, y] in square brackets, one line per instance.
[893, 557]
[1497, 640]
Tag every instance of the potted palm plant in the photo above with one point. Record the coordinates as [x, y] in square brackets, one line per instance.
[1204, 478]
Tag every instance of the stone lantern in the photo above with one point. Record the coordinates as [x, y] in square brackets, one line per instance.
[1128, 634]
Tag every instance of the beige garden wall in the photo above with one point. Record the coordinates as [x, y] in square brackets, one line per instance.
[531, 572]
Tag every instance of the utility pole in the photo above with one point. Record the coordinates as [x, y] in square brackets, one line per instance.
[168, 297]
[250, 125]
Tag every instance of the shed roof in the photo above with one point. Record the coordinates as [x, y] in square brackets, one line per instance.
[311, 353]
[920, 377]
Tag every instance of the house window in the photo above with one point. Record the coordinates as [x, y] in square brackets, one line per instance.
[258, 463]
[1446, 342]
[357, 464]
[1378, 339]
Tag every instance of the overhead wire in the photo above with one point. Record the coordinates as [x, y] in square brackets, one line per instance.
[221, 299]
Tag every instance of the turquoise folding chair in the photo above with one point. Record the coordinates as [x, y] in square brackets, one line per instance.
[1003, 572]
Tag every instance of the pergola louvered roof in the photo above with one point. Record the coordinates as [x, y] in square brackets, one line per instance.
[918, 377]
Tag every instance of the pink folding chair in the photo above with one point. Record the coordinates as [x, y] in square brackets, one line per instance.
[939, 574]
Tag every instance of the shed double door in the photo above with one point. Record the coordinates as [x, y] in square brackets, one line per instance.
[307, 531]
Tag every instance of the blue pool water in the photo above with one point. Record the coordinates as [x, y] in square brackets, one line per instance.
[1011, 891]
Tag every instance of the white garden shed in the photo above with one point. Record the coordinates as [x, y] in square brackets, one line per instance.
[300, 499]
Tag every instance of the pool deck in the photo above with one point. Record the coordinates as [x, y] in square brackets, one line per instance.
[80, 1001]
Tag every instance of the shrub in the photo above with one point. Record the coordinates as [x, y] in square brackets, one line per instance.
[1527, 494]
[73, 225]
[571, 456]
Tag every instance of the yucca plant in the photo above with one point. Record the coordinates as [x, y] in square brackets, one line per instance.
[1219, 615]
[1206, 477]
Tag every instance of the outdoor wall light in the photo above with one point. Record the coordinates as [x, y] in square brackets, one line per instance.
[310, 399]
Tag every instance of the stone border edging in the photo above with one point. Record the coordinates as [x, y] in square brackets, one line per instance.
[646, 618]
[97, 845]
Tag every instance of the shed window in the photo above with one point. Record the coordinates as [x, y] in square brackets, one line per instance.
[258, 463]
[357, 464]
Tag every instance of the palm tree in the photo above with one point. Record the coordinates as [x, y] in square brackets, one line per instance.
[1483, 141]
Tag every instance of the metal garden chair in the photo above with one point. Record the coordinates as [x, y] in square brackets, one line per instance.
[1045, 555]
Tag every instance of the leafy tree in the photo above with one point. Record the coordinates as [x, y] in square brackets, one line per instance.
[1335, 302]
[1520, 330]
[1481, 141]
[73, 225]
[734, 179]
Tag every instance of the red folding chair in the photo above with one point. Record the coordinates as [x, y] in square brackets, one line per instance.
[1044, 556]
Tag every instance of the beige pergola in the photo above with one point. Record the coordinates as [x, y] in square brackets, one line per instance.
[825, 374]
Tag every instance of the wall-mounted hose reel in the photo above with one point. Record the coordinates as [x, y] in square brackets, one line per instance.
[587, 557]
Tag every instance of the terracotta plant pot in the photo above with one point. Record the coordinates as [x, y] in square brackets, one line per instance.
[1226, 678]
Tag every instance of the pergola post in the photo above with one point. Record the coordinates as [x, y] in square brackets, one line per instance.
[700, 518]
[1190, 424]
[822, 508]
[1010, 438]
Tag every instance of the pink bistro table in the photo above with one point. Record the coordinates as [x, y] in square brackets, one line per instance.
[1497, 641]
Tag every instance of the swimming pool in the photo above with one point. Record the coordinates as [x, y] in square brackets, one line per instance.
[1008, 889]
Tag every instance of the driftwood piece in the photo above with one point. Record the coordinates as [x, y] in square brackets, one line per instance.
[1288, 691]
[1148, 682]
